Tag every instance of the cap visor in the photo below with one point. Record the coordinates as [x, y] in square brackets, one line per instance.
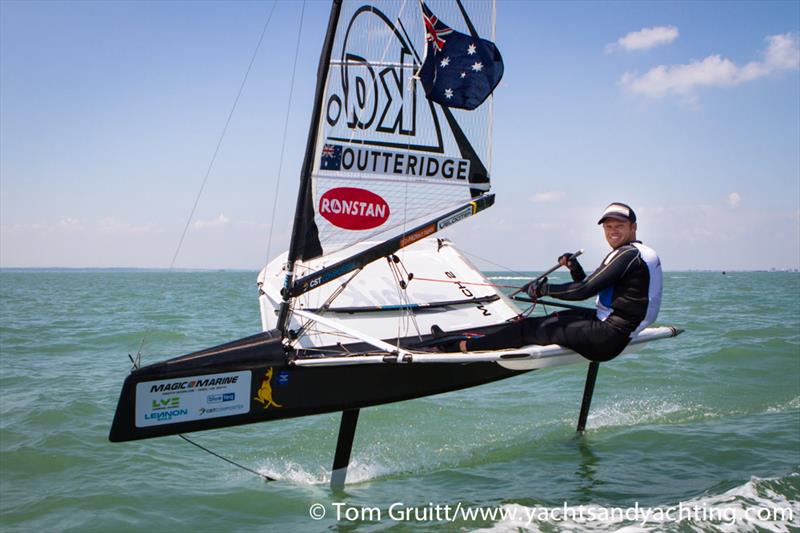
[615, 216]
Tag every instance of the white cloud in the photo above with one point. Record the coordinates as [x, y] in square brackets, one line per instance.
[68, 224]
[645, 38]
[547, 197]
[218, 221]
[112, 226]
[734, 199]
[782, 53]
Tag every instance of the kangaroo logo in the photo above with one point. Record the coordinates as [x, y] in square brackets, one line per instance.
[265, 391]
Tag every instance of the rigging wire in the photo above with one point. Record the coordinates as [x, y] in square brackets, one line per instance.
[285, 129]
[304, 330]
[402, 280]
[479, 284]
[137, 360]
[234, 463]
[505, 268]
[408, 314]
[222, 136]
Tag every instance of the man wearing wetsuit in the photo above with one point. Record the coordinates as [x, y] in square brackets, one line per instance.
[628, 289]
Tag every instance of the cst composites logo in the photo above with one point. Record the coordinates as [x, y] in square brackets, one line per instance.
[215, 411]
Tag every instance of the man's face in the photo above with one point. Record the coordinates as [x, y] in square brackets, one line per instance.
[619, 232]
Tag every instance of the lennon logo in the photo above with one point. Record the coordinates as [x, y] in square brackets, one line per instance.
[352, 208]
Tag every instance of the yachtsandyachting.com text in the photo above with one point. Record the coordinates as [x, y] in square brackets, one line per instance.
[581, 514]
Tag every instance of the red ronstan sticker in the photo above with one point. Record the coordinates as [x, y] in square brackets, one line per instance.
[352, 208]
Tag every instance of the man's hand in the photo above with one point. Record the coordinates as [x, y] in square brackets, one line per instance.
[564, 260]
[537, 289]
[575, 269]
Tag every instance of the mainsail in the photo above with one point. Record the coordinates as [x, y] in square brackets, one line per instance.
[388, 164]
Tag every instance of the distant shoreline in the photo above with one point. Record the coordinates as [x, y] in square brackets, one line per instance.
[120, 269]
[236, 270]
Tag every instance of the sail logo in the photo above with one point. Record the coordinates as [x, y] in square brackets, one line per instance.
[335, 157]
[374, 95]
[352, 208]
[372, 91]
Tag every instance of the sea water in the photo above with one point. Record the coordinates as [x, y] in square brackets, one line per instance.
[706, 424]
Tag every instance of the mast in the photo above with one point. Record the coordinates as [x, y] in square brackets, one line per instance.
[304, 193]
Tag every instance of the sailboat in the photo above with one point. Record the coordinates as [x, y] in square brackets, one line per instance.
[398, 150]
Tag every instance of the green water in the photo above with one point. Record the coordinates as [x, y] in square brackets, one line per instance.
[711, 418]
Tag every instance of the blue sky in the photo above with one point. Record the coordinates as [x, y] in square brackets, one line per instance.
[110, 113]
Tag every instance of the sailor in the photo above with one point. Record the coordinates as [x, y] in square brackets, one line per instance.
[628, 288]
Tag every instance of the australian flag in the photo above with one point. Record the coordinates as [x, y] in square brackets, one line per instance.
[331, 157]
[459, 70]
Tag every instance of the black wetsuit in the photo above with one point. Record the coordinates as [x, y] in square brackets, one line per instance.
[628, 285]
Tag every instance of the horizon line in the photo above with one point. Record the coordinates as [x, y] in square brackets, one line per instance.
[224, 269]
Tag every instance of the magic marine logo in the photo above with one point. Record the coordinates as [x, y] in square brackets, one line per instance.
[194, 384]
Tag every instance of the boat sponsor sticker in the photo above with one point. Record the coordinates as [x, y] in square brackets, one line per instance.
[353, 208]
[183, 399]
[417, 235]
[452, 219]
[328, 275]
[336, 157]
[264, 392]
